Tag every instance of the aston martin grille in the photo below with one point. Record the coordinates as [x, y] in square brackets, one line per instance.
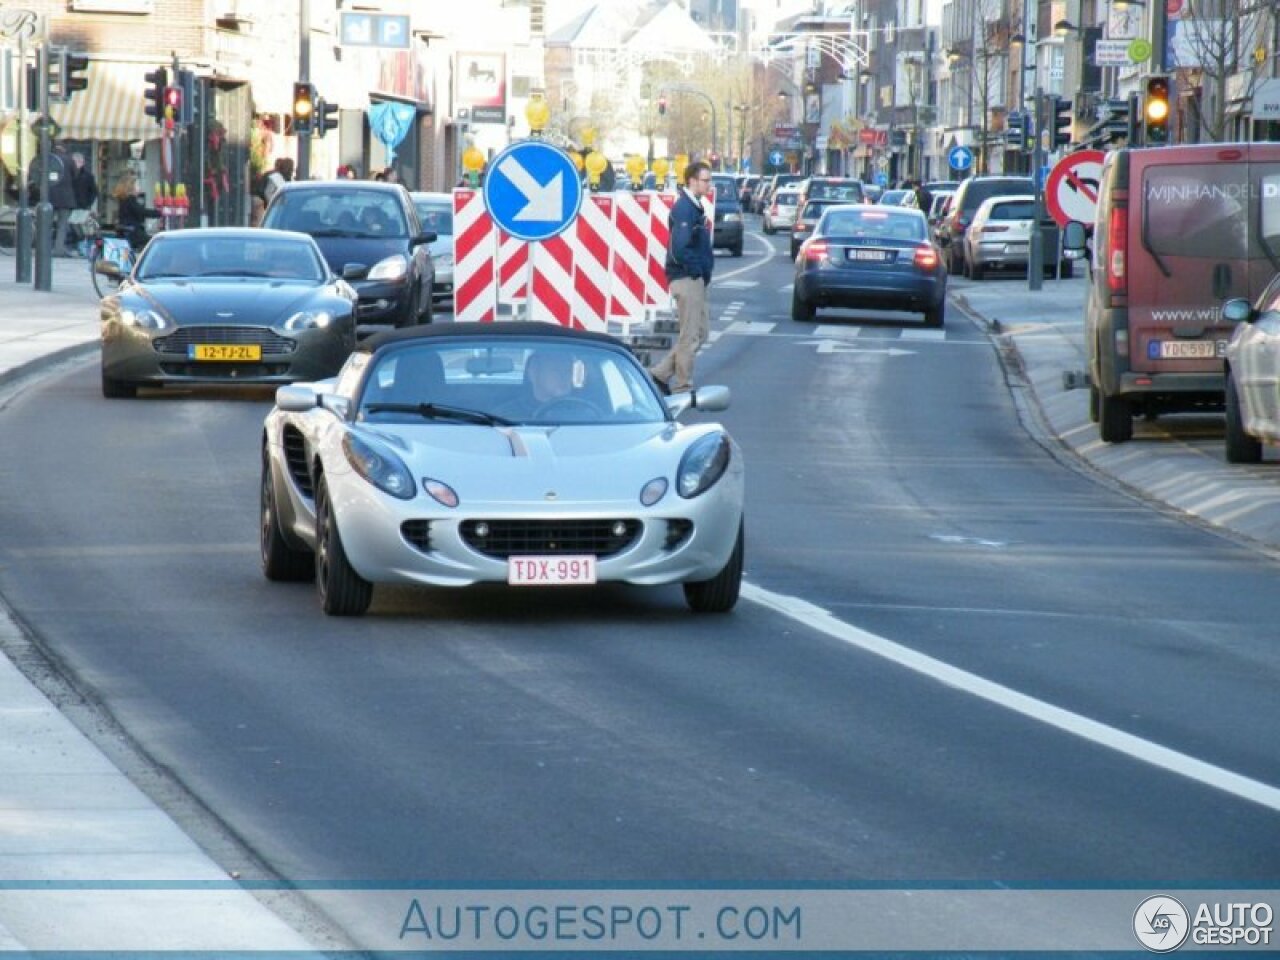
[516, 538]
[272, 343]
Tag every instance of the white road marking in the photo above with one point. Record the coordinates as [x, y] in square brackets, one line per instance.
[1100, 734]
[740, 284]
[769, 254]
[836, 330]
[915, 333]
[750, 328]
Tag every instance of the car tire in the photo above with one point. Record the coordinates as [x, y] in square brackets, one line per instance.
[1240, 446]
[280, 562]
[720, 593]
[769, 230]
[114, 389]
[736, 251]
[976, 270]
[955, 262]
[795, 248]
[1115, 419]
[343, 592]
[1066, 269]
[935, 317]
[801, 310]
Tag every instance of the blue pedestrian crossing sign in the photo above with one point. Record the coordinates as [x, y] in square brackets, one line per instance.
[776, 158]
[532, 190]
[960, 158]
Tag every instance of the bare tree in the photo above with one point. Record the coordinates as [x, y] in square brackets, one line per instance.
[1219, 37]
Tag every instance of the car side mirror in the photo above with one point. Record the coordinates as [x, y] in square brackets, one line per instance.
[296, 397]
[1075, 241]
[354, 271]
[1237, 311]
[425, 237]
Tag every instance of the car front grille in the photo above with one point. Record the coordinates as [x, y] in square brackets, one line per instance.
[417, 533]
[273, 345]
[516, 538]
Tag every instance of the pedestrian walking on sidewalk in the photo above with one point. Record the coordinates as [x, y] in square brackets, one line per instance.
[62, 194]
[688, 268]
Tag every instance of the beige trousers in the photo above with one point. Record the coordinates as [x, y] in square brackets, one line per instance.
[676, 368]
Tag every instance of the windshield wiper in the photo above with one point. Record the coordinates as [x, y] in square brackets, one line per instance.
[334, 233]
[438, 411]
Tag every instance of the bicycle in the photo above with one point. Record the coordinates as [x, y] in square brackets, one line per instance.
[111, 260]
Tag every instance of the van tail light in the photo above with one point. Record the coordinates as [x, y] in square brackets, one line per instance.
[926, 258]
[1117, 243]
[816, 250]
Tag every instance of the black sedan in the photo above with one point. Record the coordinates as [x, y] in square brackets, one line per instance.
[870, 257]
[370, 234]
[226, 306]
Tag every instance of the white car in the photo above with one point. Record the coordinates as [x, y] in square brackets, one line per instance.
[1252, 375]
[518, 453]
[781, 212]
[1000, 235]
[435, 212]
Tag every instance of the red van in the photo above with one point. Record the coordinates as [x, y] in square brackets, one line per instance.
[1180, 230]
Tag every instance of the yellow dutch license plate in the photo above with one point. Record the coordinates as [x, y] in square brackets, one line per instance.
[225, 351]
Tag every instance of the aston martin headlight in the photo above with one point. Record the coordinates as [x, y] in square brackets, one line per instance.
[144, 319]
[702, 465]
[392, 268]
[308, 320]
[379, 466]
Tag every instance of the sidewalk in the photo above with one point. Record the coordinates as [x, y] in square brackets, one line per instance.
[71, 823]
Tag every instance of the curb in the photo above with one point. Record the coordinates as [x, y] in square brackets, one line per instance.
[25, 371]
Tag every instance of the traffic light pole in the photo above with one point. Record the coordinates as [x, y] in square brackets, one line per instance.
[22, 227]
[1035, 255]
[44, 209]
[303, 168]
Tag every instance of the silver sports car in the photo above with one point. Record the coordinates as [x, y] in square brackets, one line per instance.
[519, 453]
[226, 305]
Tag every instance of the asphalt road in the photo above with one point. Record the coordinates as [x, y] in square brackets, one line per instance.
[1025, 677]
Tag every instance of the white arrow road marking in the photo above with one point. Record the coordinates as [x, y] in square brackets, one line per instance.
[912, 333]
[740, 284]
[836, 330]
[546, 203]
[750, 328]
[835, 346]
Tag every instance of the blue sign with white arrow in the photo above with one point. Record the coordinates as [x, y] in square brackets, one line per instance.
[776, 158]
[532, 190]
[960, 158]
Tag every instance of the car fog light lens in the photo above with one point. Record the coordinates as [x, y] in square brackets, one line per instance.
[653, 491]
[619, 529]
[443, 494]
[482, 529]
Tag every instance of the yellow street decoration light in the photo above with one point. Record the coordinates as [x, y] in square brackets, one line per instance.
[576, 157]
[635, 170]
[473, 163]
[538, 113]
[660, 169]
[597, 163]
[682, 161]
[589, 137]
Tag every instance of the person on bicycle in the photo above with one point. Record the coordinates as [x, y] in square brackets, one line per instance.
[131, 212]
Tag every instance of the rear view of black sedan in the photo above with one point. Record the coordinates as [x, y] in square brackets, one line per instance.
[370, 234]
[226, 306]
[870, 257]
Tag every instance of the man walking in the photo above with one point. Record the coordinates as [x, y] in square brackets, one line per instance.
[62, 194]
[688, 268]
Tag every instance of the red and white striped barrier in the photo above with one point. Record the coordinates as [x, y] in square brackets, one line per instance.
[513, 270]
[627, 298]
[656, 293]
[473, 281]
[595, 235]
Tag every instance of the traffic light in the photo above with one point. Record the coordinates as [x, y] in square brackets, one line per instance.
[33, 87]
[157, 82]
[72, 66]
[187, 84]
[662, 106]
[1015, 134]
[304, 102]
[172, 105]
[1155, 111]
[1062, 120]
[324, 117]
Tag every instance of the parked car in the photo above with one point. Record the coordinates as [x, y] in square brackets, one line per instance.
[780, 214]
[872, 257]
[1252, 375]
[369, 233]
[227, 306]
[938, 210]
[435, 215]
[728, 228]
[1180, 230]
[1000, 235]
[964, 205]
[806, 220]
[400, 470]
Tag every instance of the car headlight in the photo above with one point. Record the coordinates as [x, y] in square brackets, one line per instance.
[379, 466]
[392, 268]
[308, 320]
[143, 319]
[653, 491]
[702, 465]
[733, 218]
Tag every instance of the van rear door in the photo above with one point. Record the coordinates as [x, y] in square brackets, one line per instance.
[1196, 240]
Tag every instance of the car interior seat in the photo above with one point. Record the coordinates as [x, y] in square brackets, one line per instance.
[419, 378]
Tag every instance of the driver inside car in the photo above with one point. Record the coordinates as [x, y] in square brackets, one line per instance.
[550, 375]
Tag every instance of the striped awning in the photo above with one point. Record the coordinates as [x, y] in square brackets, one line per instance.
[111, 107]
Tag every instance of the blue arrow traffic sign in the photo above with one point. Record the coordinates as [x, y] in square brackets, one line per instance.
[532, 190]
[960, 158]
[776, 158]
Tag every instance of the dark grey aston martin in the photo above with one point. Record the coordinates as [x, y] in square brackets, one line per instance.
[226, 305]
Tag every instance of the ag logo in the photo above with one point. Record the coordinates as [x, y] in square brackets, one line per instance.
[1161, 924]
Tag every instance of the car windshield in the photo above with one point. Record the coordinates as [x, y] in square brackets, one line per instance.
[876, 224]
[726, 190]
[339, 213]
[787, 199]
[188, 254]
[834, 190]
[509, 380]
[435, 217]
[1020, 210]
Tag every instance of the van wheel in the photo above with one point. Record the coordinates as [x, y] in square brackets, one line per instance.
[1115, 419]
[1240, 446]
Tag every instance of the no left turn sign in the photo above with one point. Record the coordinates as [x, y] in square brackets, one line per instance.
[1071, 192]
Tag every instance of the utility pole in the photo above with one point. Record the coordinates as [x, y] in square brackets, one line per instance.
[44, 210]
[303, 171]
[22, 227]
[1030, 37]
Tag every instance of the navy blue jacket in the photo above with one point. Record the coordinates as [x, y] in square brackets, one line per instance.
[689, 252]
